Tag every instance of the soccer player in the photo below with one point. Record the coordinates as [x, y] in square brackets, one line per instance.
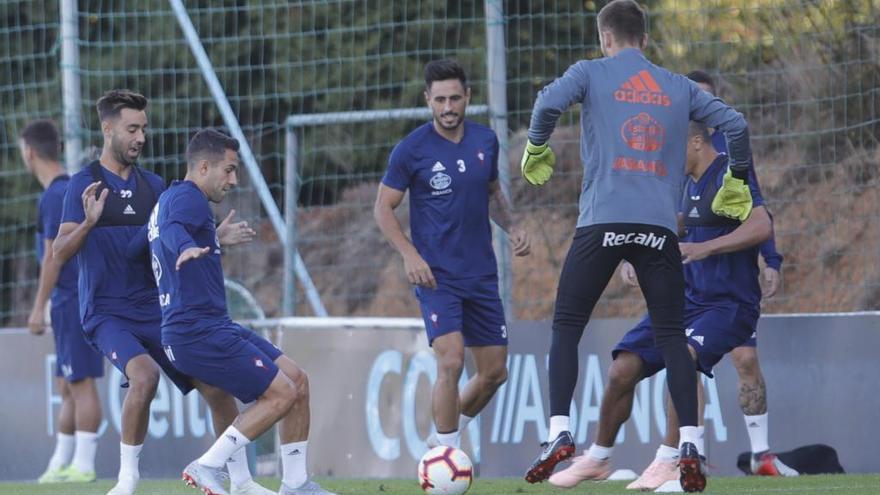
[634, 125]
[198, 334]
[450, 167]
[106, 207]
[721, 309]
[752, 389]
[77, 364]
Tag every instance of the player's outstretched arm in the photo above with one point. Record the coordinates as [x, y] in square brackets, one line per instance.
[755, 230]
[417, 270]
[555, 99]
[538, 159]
[499, 212]
[72, 235]
[230, 233]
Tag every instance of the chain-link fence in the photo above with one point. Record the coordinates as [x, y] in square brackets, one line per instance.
[805, 73]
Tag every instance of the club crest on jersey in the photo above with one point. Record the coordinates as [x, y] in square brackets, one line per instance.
[157, 268]
[440, 182]
[643, 133]
[438, 167]
[481, 156]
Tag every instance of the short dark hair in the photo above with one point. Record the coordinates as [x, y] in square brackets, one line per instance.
[443, 70]
[113, 101]
[702, 77]
[209, 144]
[42, 137]
[625, 19]
[699, 129]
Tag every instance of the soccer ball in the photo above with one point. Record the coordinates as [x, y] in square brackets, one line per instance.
[445, 470]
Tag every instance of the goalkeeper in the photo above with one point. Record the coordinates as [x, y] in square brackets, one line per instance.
[634, 126]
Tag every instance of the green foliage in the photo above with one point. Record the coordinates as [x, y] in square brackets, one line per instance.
[807, 68]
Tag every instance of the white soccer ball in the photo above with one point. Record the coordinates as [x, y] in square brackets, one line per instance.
[445, 470]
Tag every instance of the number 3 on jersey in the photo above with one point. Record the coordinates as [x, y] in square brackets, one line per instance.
[461, 167]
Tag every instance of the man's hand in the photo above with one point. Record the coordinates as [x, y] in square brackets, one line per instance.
[37, 321]
[628, 274]
[522, 244]
[230, 233]
[694, 251]
[92, 205]
[537, 163]
[733, 200]
[771, 282]
[418, 271]
[191, 254]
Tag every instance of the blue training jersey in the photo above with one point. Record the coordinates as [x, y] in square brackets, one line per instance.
[193, 299]
[49, 207]
[730, 278]
[448, 187]
[110, 284]
[634, 127]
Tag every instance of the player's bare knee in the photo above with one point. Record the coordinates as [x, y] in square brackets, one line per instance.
[450, 363]
[624, 373]
[495, 377]
[746, 364]
[282, 394]
[300, 381]
[144, 383]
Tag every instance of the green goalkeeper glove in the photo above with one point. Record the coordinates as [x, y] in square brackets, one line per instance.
[537, 163]
[734, 199]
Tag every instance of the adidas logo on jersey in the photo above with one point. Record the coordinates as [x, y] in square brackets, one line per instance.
[694, 213]
[128, 210]
[438, 167]
[642, 88]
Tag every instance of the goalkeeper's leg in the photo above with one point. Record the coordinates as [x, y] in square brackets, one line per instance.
[588, 268]
[661, 278]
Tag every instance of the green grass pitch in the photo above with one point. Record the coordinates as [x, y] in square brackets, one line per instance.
[819, 485]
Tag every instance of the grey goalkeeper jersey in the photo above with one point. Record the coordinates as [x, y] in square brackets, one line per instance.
[634, 127]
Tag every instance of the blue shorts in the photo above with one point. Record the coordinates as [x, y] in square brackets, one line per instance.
[121, 340]
[231, 358]
[470, 306]
[75, 359]
[712, 331]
